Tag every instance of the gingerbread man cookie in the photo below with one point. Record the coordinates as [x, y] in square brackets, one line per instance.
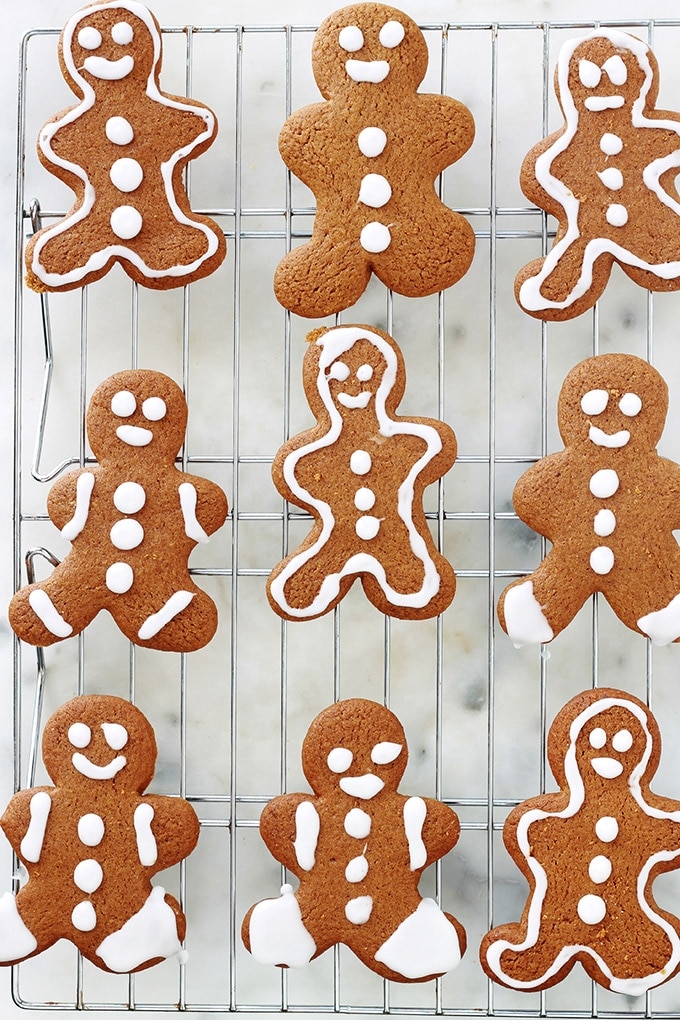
[92, 842]
[608, 176]
[371, 154]
[133, 521]
[591, 853]
[123, 150]
[358, 848]
[361, 472]
[608, 503]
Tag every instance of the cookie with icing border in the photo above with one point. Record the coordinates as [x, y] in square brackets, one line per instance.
[123, 149]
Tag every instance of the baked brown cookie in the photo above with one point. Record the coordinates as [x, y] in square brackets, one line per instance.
[608, 176]
[591, 853]
[92, 842]
[361, 472]
[133, 521]
[358, 848]
[123, 150]
[371, 154]
[608, 503]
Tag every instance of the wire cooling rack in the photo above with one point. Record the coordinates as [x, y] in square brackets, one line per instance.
[230, 718]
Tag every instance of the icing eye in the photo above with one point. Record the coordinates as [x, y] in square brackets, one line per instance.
[391, 34]
[116, 736]
[79, 734]
[594, 401]
[598, 738]
[122, 33]
[630, 404]
[364, 373]
[89, 38]
[385, 752]
[339, 371]
[351, 38]
[589, 73]
[123, 404]
[154, 409]
[616, 70]
[339, 759]
[622, 741]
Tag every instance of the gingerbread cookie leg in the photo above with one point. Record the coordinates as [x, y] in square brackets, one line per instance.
[41, 613]
[274, 932]
[147, 937]
[426, 943]
[564, 279]
[186, 619]
[535, 609]
[319, 278]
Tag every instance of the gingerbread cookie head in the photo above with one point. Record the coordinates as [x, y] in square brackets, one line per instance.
[108, 42]
[368, 44]
[613, 401]
[356, 746]
[137, 409]
[612, 71]
[99, 741]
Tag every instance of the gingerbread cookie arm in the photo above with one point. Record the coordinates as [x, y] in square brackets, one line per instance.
[449, 130]
[440, 828]
[289, 826]
[68, 501]
[203, 506]
[166, 831]
[24, 822]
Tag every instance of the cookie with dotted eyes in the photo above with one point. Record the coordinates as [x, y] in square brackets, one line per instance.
[358, 848]
[361, 472]
[608, 503]
[92, 842]
[371, 153]
[133, 520]
[590, 854]
[608, 176]
[123, 150]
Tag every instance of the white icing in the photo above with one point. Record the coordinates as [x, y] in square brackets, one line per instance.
[84, 916]
[617, 215]
[375, 191]
[604, 483]
[16, 941]
[79, 735]
[91, 829]
[90, 38]
[122, 33]
[373, 71]
[148, 934]
[99, 772]
[357, 823]
[372, 141]
[126, 174]
[616, 70]
[375, 237]
[349, 400]
[109, 70]
[338, 370]
[391, 34]
[84, 487]
[154, 409]
[126, 222]
[599, 869]
[589, 73]
[188, 498]
[424, 944]
[611, 177]
[115, 735]
[367, 527]
[147, 850]
[351, 38]
[174, 605]
[611, 144]
[364, 499]
[127, 534]
[415, 812]
[133, 435]
[88, 875]
[119, 131]
[277, 934]
[129, 497]
[339, 759]
[385, 752]
[359, 909]
[611, 441]
[119, 578]
[591, 909]
[594, 402]
[307, 824]
[630, 405]
[596, 104]
[44, 609]
[360, 462]
[357, 869]
[364, 373]
[622, 741]
[602, 559]
[123, 404]
[525, 621]
[604, 523]
[32, 843]
[365, 787]
[606, 829]
[597, 738]
[662, 625]
[608, 768]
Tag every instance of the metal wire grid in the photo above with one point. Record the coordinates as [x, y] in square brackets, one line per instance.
[226, 810]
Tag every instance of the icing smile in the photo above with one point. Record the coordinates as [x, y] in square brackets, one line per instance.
[597, 103]
[92, 771]
[367, 70]
[613, 441]
[109, 70]
[360, 400]
[133, 435]
[608, 768]
[366, 787]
